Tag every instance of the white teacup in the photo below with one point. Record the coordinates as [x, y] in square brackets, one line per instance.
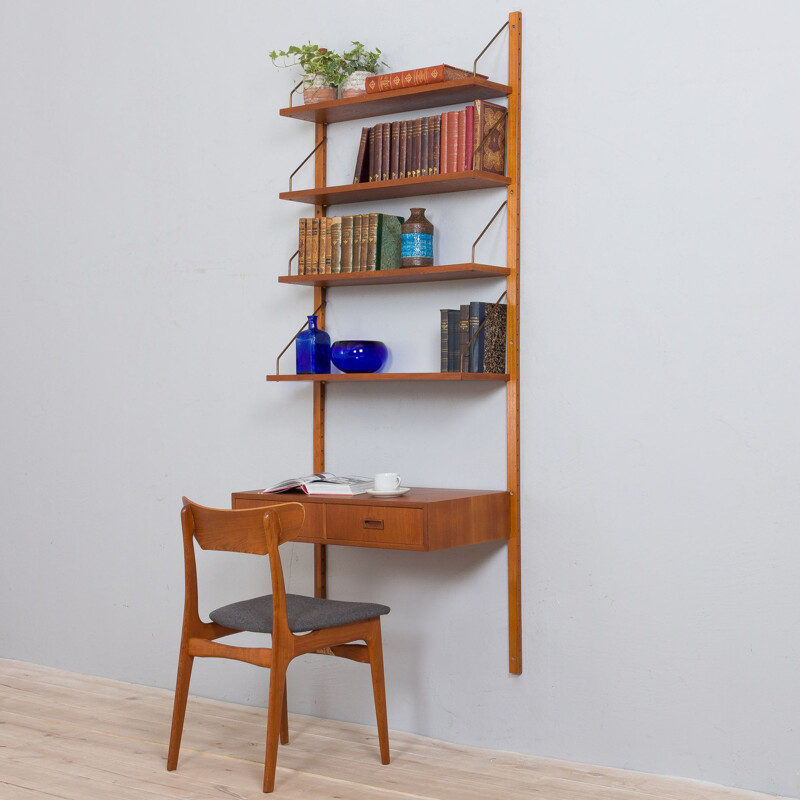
[387, 481]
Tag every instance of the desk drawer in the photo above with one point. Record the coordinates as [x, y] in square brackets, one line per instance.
[374, 525]
[312, 530]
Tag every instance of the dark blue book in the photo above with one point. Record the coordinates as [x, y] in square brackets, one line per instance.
[453, 324]
[477, 312]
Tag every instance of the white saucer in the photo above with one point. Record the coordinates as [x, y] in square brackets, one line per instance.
[392, 493]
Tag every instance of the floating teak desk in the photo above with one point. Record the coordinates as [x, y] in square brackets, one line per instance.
[422, 519]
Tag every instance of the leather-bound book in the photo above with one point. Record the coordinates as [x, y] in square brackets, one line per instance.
[415, 77]
[423, 146]
[357, 242]
[463, 337]
[314, 245]
[490, 150]
[452, 141]
[394, 172]
[361, 175]
[386, 131]
[477, 311]
[494, 351]
[347, 244]
[443, 350]
[433, 144]
[462, 141]
[401, 163]
[372, 154]
[323, 243]
[372, 235]
[328, 245]
[453, 323]
[469, 139]
[364, 242]
[443, 147]
[410, 161]
[301, 247]
[417, 147]
[336, 244]
[308, 266]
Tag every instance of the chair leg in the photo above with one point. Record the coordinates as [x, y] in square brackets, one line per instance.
[285, 717]
[185, 662]
[375, 650]
[277, 683]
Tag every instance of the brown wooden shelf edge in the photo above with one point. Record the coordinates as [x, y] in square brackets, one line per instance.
[400, 187]
[440, 272]
[393, 376]
[464, 90]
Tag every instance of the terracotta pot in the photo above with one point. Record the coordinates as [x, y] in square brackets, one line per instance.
[354, 84]
[315, 90]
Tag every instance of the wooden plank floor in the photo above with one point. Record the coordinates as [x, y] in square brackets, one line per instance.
[82, 738]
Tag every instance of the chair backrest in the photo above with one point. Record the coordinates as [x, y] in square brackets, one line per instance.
[260, 531]
[247, 530]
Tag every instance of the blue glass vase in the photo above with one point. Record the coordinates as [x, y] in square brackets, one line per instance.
[313, 350]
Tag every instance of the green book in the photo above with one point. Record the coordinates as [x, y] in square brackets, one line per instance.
[387, 242]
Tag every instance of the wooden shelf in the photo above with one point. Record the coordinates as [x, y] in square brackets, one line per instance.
[401, 187]
[392, 376]
[465, 90]
[444, 272]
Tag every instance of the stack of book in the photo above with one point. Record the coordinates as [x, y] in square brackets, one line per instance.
[480, 325]
[473, 138]
[356, 243]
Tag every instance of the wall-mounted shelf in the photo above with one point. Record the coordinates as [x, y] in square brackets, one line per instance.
[321, 196]
[415, 98]
[401, 187]
[382, 377]
[443, 272]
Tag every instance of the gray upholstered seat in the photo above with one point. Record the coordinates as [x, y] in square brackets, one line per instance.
[304, 613]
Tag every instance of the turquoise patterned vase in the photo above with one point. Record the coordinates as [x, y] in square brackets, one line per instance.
[417, 242]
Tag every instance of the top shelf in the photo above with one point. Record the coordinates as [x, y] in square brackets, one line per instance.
[463, 90]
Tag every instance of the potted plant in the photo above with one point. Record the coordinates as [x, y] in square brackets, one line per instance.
[321, 67]
[357, 64]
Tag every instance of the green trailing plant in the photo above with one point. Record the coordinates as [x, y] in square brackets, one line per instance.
[313, 60]
[360, 58]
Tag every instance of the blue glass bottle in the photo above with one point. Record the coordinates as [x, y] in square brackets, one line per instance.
[313, 350]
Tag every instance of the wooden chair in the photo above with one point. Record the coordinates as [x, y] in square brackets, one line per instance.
[327, 626]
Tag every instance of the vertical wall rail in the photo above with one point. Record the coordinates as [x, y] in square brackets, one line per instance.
[320, 180]
[513, 386]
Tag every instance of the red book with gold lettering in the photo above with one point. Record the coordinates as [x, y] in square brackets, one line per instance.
[469, 139]
[416, 77]
[461, 163]
[443, 147]
[452, 141]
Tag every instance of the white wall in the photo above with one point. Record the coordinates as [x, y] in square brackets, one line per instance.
[141, 156]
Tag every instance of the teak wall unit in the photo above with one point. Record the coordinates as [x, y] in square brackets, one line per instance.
[321, 196]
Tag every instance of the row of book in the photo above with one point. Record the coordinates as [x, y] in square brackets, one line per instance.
[472, 138]
[474, 338]
[355, 243]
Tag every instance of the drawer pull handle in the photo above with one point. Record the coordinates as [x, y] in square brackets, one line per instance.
[374, 524]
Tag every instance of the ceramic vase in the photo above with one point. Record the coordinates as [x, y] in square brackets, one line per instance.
[417, 240]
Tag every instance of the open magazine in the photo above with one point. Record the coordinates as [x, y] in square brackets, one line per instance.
[324, 483]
